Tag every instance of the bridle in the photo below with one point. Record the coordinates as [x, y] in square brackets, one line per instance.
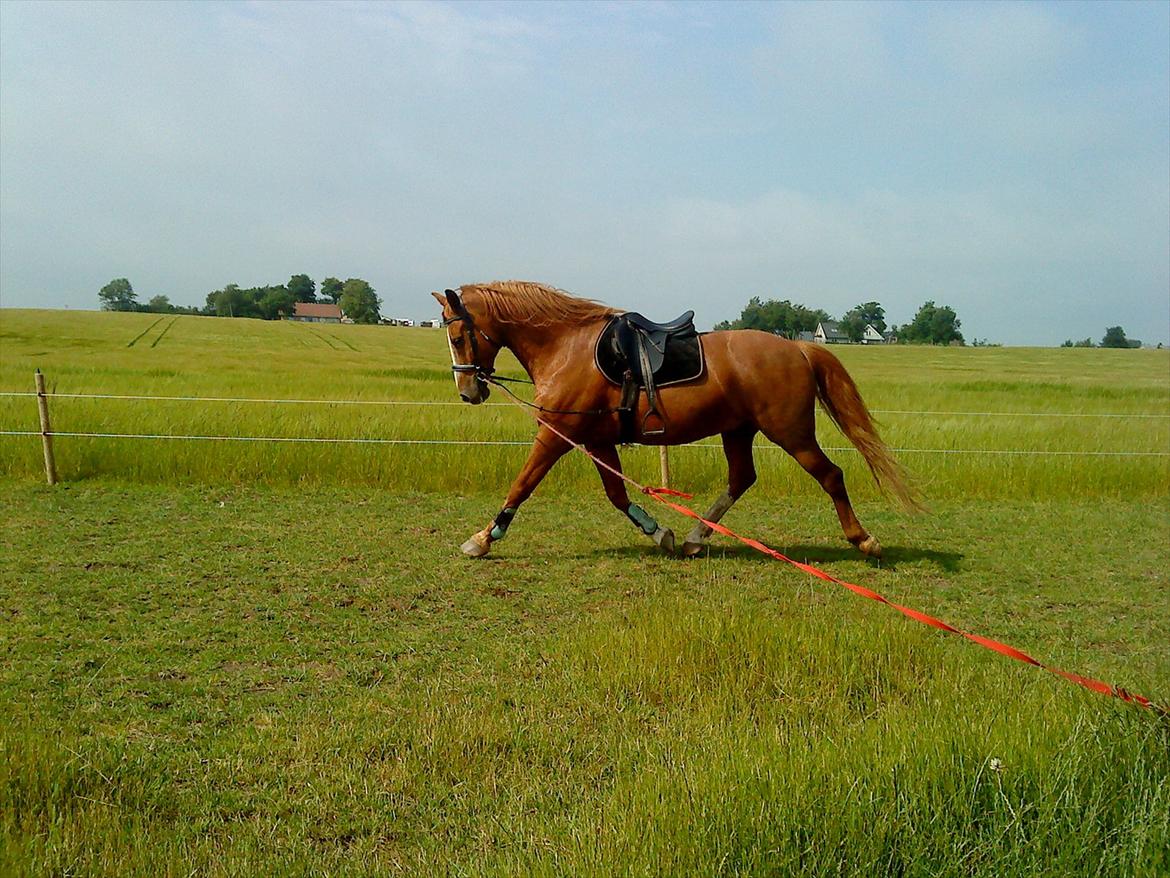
[482, 373]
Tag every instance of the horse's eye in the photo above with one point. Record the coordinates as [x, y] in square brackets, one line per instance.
[458, 342]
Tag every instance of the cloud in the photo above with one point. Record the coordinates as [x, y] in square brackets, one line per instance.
[1001, 42]
[986, 255]
[653, 155]
[818, 53]
[426, 42]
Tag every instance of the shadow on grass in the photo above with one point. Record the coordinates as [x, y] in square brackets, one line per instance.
[808, 554]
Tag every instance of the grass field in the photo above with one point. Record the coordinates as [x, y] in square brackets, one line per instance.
[235, 660]
[1051, 391]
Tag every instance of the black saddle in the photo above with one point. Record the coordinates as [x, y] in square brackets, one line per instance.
[636, 353]
[685, 320]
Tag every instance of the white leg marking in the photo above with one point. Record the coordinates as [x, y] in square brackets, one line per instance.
[700, 532]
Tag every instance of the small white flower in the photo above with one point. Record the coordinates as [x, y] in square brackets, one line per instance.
[995, 764]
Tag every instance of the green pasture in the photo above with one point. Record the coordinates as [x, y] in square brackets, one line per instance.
[226, 658]
[280, 681]
[971, 421]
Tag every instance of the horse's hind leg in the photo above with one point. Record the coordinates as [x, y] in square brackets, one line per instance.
[741, 475]
[815, 462]
[615, 490]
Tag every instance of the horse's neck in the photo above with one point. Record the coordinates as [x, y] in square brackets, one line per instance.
[544, 351]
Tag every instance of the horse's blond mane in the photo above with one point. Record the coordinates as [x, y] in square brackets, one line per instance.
[517, 301]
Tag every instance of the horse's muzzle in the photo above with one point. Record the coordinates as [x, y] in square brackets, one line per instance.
[482, 392]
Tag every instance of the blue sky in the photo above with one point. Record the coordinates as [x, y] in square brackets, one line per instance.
[1010, 160]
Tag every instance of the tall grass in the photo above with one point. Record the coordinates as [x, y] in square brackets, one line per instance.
[242, 679]
[709, 740]
[980, 400]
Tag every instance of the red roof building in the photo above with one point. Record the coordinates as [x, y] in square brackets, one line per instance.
[315, 312]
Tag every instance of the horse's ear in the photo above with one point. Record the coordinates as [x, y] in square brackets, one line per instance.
[439, 298]
[453, 301]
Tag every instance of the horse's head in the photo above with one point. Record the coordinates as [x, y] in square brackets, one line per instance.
[473, 351]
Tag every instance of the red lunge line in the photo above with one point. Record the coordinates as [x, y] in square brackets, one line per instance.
[659, 494]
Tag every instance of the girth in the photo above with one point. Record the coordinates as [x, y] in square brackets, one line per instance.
[636, 354]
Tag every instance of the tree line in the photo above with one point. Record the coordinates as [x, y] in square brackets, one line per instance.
[1114, 338]
[356, 298]
[933, 324]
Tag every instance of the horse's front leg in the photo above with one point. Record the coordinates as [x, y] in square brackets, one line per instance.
[546, 450]
[615, 490]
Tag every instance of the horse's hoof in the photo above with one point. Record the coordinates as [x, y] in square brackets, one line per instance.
[664, 537]
[690, 550]
[476, 547]
[870, 546]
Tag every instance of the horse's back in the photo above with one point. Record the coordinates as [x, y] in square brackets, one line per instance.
[751, 378]
[755, 360]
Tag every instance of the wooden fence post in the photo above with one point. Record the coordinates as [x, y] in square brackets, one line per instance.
[664, 460]
[46, 429]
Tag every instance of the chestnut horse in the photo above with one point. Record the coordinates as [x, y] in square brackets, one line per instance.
[754, 382]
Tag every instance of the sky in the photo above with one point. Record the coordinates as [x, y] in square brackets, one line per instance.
[1009, 160]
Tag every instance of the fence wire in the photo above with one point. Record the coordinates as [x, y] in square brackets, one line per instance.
[410, 402]
[525, 443]
[517, 442]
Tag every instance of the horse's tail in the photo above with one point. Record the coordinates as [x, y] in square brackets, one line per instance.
[842, 401]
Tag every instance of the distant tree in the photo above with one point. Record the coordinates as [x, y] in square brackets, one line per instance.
[268, 303]
[852, 325]
[873, 314]
[276, 302]
[301, 288]
[160, 305]
[118, 295]
[231, 301]
[1083, 343]
[331, 289]
[933, 324]
[1114, 338]
[779, 318]
[358, 301]
[860, 316]
[221, 302]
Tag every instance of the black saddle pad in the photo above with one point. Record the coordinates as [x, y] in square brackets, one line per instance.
[683, 360]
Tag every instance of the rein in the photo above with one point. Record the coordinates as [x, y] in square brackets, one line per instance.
[491, 379]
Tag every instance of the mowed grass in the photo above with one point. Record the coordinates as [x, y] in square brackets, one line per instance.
[236, 659]
[971, 422]
[260, 680]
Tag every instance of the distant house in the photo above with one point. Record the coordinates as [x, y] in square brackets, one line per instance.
[828, 332]
[805, 336]
[315, 312]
